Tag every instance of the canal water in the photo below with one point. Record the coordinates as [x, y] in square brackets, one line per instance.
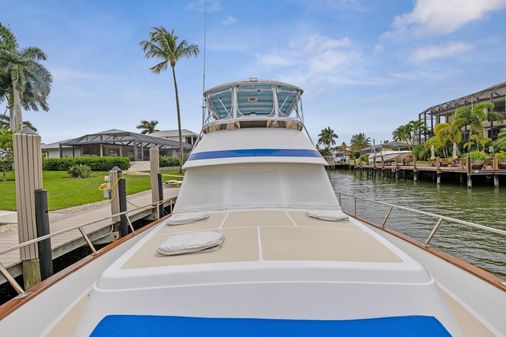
[484, 205]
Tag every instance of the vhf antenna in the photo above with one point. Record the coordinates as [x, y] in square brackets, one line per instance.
[204, 66]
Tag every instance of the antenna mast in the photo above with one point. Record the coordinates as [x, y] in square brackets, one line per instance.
[204, 66]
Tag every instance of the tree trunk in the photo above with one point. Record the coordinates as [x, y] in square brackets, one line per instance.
[181, 155]
[15, 111]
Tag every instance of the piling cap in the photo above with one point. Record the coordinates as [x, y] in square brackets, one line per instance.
[115, 168]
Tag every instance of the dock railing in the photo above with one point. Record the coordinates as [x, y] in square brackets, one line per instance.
[80, 227]
[439, 218]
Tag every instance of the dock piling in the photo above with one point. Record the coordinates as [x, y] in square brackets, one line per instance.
[28, 169]
[42, 224]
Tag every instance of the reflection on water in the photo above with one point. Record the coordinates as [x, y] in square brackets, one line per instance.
[482, 204]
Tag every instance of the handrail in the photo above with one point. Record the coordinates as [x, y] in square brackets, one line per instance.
[440, 218]
[7, 275]
[51, 235]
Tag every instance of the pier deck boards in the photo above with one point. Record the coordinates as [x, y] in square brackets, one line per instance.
[69, 241]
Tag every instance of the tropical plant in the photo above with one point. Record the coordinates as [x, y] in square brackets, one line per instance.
[343, 147]
[478, 156]
[433, 142]
[166, 46]
[500, 142]
[448, 133]
[327, 137]
[501, 155]
[402, 134]
[417, 127]
[359, 141]
[364, 157]
[478, 140]
[79, 171]
[24, 82]
[6, 151]
[147, 126]
[420, 152]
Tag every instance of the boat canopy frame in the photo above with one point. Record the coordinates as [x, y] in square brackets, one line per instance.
[252, 98]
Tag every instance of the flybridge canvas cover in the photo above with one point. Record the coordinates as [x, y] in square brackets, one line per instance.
[265, 185]
[254, 145]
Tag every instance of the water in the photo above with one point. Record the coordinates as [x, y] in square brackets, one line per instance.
[482, 204]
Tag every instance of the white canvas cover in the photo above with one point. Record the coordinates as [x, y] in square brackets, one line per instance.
[327, 215]
[190, 243]
[265, 185]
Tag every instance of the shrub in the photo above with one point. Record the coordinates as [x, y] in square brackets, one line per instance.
[79, 171]
[477, 156]
[168, 161]
[325, 152]
[421, 152]
[364, 157]
[501, 156]
[93, 162]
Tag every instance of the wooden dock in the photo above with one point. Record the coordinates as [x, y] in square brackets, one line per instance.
[65, 243]
[437, 172]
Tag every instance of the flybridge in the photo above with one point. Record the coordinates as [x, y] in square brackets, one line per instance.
[253, 103]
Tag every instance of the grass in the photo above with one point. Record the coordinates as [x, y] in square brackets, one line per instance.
[66, 192]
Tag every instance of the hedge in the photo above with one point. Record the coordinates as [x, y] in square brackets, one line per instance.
[167, 161]
[94, 162]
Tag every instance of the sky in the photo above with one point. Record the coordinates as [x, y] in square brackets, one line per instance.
[364, 66]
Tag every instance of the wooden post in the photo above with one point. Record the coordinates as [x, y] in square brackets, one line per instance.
[28, 168]
[101, 146]
[415, 171]
[154, 163]
[115, 174]
[42, 221]
[438, 170]
[468, 170]
[123, 223]
[161, 211]
[496, 169]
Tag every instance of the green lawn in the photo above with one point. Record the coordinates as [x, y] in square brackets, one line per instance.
[66, 192]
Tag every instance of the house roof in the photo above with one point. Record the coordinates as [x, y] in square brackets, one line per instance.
[490, 93]
[121, 137]
[174, 133]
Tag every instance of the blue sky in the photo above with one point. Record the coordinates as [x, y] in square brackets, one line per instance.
[365, 66]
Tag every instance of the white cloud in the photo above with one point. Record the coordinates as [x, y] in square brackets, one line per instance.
[445, 16]
[430, 52]
[229, 20]
[315, 59]
[202, 5]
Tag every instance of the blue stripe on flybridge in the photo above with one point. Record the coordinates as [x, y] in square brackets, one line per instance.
[255, 153]
[158, 326]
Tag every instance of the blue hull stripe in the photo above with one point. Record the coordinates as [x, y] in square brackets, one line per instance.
[158, 326]
[255, 153]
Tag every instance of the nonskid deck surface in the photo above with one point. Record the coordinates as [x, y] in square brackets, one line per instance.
[270, 236]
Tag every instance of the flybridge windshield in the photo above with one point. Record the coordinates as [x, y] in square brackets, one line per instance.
[254, 98]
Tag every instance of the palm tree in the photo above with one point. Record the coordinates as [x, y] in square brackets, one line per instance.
[328, 137]
[417, 128]
[5, 122]
[360, 141]
[24, 82]
[500, 142]
[147, 126]
[403, 134]
[164, 45]
[448, 132]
